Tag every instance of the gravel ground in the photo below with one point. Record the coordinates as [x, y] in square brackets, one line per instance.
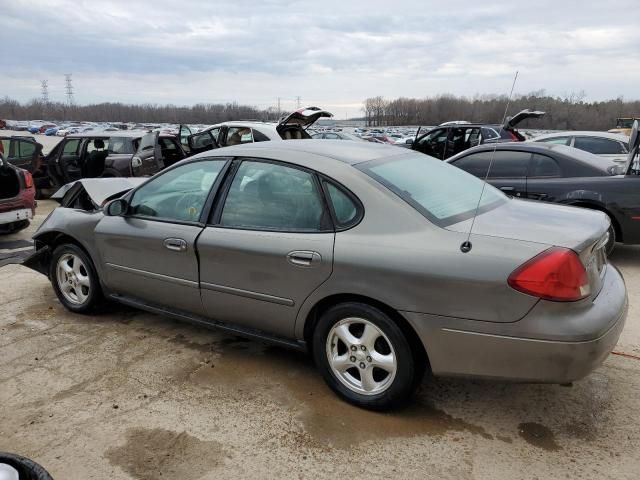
[130, 395]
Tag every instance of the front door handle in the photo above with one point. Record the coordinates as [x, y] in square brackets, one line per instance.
[509, 190]
[175, 244]
[304, 258]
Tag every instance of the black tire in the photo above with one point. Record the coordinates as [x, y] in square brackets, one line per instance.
[94, 297]
[409, 370]
[27, 469]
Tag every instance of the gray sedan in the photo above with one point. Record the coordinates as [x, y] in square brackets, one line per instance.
[358, 253]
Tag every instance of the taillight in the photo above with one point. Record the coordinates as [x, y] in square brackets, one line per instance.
[556, 274]
[28, 179]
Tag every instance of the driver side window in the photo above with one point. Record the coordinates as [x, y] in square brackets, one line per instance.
[179, 194]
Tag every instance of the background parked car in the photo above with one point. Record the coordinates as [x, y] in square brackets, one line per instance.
[450, 139]
[17, 197]
[613, 146]
[290, 127]
[111, 154]
[561, 174]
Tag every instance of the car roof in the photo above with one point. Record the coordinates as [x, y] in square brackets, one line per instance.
[119, 133]
[532, 147]
[346, 152]
[583, 133]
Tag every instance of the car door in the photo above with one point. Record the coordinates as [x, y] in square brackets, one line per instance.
[149, 254]
[147, 160]
[267, 247]
[507, 171]
[433, 143]
[203, 141]
[543, 169]
[184, 132]
[23, 153]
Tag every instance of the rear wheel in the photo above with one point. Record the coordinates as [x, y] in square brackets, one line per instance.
[74, 279]
[364, 356]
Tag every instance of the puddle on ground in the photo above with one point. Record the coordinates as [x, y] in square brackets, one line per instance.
[538, 435]
[150, 454]
[291, 379]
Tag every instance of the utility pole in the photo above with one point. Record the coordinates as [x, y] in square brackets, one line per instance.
[298, 101]
[279, 108]
[44, 90]
[69, 88]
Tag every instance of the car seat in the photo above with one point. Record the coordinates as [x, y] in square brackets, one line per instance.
[94, 165]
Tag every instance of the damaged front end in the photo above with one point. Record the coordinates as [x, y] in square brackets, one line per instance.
[74, 221]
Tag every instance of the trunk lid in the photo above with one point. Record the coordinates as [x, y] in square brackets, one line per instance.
[583, 231]
[303, 117]
[511, 122]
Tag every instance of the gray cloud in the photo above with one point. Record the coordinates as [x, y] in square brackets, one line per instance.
[333, 52]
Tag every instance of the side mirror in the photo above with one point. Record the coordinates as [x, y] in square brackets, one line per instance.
[1, 160]
[116, 208]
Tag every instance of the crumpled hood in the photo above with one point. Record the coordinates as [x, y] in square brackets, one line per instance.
[99, 189]
[534, 221]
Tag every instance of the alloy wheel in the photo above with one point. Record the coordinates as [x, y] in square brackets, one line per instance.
[73, 279]
[361, 356]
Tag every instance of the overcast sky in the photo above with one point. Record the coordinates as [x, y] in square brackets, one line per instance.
[331, 53]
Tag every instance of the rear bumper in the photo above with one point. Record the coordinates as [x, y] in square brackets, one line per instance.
[16, 216]
[509, 353]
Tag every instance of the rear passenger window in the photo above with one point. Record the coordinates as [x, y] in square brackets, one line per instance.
[267, 196]
[259, 137]
[344, 208]
[599, 146]
[543, 166]
[506, 164]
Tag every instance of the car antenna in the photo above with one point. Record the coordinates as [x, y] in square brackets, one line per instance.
[466, 246]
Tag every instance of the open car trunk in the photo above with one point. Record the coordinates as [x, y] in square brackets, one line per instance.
[9, 182]
[293, 126]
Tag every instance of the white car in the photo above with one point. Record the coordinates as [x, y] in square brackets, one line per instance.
[613, 146]
[291, 127]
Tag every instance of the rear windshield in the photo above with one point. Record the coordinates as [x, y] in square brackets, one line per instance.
[444, 194]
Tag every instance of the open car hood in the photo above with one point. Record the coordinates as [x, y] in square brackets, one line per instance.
[511, 122]
[100, 189]
[303, 117]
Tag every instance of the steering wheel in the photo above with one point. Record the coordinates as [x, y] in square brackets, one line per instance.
[188, 207]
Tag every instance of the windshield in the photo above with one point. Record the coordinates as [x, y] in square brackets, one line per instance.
[624, 123]
[444, 194]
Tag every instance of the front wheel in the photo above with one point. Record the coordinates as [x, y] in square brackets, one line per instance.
[364, 356]
[74, 279]
[611, 243]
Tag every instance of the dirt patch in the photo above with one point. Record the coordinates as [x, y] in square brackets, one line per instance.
[538, 435]
[150, 454]
[291, 379]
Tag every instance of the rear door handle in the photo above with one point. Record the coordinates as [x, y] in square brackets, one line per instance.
[508, 189]
[304, 258]
[175, 244]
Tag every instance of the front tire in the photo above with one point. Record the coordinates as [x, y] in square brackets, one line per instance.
[611, 243]
[74, 279]
[365, 357]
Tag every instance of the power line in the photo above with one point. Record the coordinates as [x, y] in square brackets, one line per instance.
[68, 88]
[44, 91]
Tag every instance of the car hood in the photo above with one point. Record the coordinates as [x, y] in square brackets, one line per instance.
[534, 221]
[304, 117]
[99, 189]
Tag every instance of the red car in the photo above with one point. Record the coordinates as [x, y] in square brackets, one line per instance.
[17, 197]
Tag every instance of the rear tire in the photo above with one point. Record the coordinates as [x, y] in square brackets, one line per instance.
[74, 279]
[26, 468]
[365, 357]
